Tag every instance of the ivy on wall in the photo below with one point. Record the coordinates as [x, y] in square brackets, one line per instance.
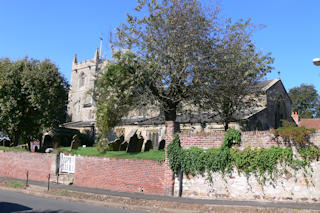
[262, 163]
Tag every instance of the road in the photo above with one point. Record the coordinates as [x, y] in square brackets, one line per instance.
[17, 202]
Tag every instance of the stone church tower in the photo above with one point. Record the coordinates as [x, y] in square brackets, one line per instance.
[81, 106]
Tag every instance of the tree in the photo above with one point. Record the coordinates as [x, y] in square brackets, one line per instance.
[118, 90]
[177, 54]
[305, 101]
[231, 85]
[33, 97]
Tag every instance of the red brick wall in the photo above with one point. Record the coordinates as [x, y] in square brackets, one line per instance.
[129, 175]
[215, 139]
[16, 164]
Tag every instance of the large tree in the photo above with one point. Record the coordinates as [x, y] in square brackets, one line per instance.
[305, 101]
[231, 90]
[174, 55]
[33, 97]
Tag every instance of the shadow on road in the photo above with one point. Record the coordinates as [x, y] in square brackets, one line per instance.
[48, 211]
[6, 207]
[12, 207]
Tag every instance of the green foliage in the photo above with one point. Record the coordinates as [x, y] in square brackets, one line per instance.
[305, 101]
[193, 160]
[262, 163]
[218, 160]
[33, 97]
[298, 135]
[236, 70]
[117, 92]
[175, 154]
[309, 153]
[102, 146]
[232, 137]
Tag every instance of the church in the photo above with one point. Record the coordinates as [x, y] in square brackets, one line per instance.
[274, 106]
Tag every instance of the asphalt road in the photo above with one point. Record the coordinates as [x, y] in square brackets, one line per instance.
[17, 202]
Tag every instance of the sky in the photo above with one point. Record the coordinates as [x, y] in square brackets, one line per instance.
[61, 28]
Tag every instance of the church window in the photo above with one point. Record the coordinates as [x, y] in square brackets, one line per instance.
[81, 80]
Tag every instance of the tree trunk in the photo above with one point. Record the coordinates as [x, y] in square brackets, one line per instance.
[171, 114]
[226, 126]
[29, 145]
[15, 139]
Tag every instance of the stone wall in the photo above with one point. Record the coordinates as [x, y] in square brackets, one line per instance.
[292, 186]
[315, 138]
[16, 165]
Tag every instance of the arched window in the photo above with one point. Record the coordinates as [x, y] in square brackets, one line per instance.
[280, 112]
[81, 80]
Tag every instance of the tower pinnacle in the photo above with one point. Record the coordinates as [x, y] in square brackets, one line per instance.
[96, 55]
[75, 60]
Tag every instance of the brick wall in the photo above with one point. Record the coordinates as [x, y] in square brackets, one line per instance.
[215, 139]
[16, 164]
[114, 174]
[131, 175]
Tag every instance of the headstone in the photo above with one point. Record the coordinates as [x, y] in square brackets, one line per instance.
[147, 146]
[75, 143]
[133, 143]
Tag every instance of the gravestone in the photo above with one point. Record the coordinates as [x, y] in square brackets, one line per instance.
[75, 143]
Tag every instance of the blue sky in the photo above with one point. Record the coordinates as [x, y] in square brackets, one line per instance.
[59, 29]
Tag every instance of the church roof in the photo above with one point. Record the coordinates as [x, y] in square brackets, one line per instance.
[204, 117]
[191, 118]
[79, 124]
[266, 84]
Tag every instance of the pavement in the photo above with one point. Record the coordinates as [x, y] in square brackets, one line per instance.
[180, 202]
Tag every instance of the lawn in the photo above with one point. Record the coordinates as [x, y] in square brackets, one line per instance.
[158, 155]
[17, 149]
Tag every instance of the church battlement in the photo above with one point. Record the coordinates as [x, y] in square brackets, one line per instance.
[84, 64]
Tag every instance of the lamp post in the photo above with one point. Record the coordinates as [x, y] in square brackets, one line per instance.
[316, 61]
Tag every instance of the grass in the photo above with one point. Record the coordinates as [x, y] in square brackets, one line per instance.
[13, 184]
[17, 184]
[158, 155]
[17, 149]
